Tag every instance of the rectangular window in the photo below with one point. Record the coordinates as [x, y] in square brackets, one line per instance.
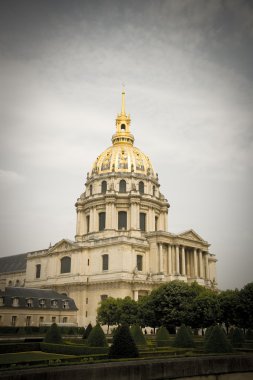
[101, 216]
[156, 223]
[139, 262]
[13, 320]
[142, 221]
[41, 320]
[29, 302]
[38, 269]
[53, 319]
[88, 223]
[103, 297]
[105, 262]
[87, 301]
[86, 314]
[28, 320]
[122, 220]
[64, 319]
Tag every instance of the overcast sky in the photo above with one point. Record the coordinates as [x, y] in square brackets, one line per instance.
[188, 70]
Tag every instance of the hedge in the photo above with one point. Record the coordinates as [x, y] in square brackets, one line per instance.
[72, 350]
[19, 347]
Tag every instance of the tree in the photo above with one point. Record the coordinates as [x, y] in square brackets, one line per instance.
[123, 345]
[183, 338]
[53, 334]
[162, 337]
[97, 337]
[228, 300]
[108, 312]
[137, 335]
[128, 311]
[204, 311]
[172, 302]
[217, 341]
[237, 338]
[146, 312]
[87, 331]
[244, 314]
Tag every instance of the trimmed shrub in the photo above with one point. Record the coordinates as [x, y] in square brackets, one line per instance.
[87, 331]
[53, 335]
[137, 335]
[162, 337]
[19, 347]
[97, 338]
[237, 339]
[123, 345]
[249, 334]
[217, 341]
[208, 332]
[183, 338]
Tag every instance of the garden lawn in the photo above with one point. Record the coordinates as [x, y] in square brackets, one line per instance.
[30, 356]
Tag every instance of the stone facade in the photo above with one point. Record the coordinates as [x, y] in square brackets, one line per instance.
[122, 245]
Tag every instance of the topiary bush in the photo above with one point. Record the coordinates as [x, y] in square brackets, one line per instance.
[237, 338]
[97, 337]
[217, 341]
[249, 334]
[53, 335]
[208, 332]
[162, 337]
[137, 335]
[87, 331]
[183, 338]
[123, 345]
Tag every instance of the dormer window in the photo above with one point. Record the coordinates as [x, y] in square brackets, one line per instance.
[42, 303]
[29, 302]
[65, 304]
[15, 302]
[54, 303]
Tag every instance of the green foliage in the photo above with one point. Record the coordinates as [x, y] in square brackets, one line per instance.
[138, 335]
[208, 332]
[237, 338]
[244, 308]
[72, 350]
[249, 334]
[146, 312]
[19, 347]
[53, 335]
[217, 341]
[162, 337]
[87, 331]
[108, 312]
[183, 338]
[228, 300]
[205, 310]
[128, 311]
[123, 345]
[96, 337]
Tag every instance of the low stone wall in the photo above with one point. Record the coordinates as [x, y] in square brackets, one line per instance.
[227, 367]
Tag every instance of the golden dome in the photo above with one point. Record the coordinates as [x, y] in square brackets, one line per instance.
[122, 156]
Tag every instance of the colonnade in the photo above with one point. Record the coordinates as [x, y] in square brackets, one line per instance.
[180, 260]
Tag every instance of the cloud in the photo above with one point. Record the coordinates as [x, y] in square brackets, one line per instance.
[8, 177]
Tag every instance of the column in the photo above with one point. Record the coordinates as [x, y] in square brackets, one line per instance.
[195, 263]
[177, 260]
[160, 258]
[183, 261]
[207, 265]
[133, 216]
[170, 271]
[136, 295]
[200, 264]
[113, 216]
[91, 219]
[165, 221]
[108, 218]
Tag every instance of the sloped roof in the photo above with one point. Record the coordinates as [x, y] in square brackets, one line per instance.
[36, 295]
[16, 263]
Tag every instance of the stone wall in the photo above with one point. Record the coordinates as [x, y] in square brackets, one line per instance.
[232, 367]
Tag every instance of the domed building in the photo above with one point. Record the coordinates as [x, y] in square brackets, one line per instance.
[122, 246]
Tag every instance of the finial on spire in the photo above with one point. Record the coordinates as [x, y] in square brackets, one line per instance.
[123, 112]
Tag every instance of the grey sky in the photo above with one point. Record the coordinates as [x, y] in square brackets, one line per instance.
[188, 69]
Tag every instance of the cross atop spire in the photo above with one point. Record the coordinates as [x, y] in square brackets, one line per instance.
[123, 112]
[123, 134]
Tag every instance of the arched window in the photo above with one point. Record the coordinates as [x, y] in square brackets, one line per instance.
[65, 264]
[141, 187]
[122, 220]
[122, 186]
[153, 191]
[10, 283]
[103, 187]
[105, 262]
[101, 220]
[142, 221]
[90, 189]
[139, 262]
[123, 127]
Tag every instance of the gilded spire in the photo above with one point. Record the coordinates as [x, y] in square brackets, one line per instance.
[123, 112]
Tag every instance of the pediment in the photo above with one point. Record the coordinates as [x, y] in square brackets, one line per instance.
[192, 235]
[63, 245]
